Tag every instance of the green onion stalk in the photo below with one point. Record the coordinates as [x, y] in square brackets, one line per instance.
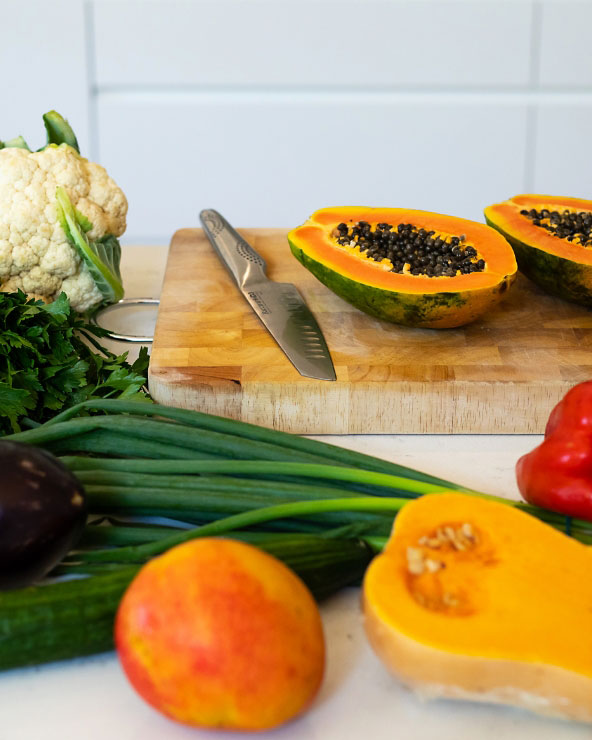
[227, 475]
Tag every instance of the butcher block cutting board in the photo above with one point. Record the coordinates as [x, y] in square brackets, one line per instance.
[502, 374]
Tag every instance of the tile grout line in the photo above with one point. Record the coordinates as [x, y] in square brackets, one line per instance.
[533, 106]
[535, 45]
[91, 80]
[411, 91]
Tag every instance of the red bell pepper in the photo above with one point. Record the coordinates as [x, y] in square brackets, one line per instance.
[557, 475]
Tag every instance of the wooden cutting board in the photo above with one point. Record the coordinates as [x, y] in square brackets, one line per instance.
[502, 374]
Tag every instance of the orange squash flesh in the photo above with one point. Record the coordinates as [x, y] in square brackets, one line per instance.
[475, 599]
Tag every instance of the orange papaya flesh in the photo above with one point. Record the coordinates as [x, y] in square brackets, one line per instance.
[401, 297]
[558, 265]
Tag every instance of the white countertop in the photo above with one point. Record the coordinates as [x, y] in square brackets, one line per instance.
[90, 699]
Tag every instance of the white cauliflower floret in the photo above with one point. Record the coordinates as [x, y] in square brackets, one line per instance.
[35, 253]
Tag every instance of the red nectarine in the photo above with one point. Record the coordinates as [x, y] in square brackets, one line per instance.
[217, 633]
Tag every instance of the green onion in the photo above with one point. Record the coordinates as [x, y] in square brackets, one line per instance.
[167, 432]
[192, 475]
[190, 434]
[108, 442]
[139, 553]
[325, 563]
[218, 424]
[185, 468]
[227, 484]
[110, 535]
[110, 532]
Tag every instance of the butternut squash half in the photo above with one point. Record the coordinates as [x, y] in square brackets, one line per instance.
[473, 599]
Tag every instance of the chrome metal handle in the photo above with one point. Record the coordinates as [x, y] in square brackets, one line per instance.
[242, 261]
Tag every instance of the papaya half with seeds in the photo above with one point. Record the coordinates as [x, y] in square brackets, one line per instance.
[474, 599]
[408, 267]
[552, 238]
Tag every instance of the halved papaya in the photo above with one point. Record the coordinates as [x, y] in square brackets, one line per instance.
[409, 267]
[552, 238]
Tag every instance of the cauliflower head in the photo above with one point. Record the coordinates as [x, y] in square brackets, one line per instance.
[38, 253]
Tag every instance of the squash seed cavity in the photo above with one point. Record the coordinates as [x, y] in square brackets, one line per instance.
[431, 568]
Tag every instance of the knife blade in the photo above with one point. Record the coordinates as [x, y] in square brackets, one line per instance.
[279, 306]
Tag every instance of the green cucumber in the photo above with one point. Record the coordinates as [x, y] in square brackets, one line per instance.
[73, 618]
[59, 621]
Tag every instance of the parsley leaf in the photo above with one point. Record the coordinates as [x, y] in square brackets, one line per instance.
[51, 359]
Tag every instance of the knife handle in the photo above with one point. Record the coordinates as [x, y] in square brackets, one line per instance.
[241, 260]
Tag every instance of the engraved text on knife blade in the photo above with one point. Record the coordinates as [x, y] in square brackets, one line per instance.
[300, 326]
[259, 301]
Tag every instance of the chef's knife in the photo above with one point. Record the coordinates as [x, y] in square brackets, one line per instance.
[280, 306]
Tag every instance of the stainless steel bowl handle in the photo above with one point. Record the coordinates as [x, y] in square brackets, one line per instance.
[123, 303]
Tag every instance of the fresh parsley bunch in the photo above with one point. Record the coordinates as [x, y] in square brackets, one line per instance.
[47, 362]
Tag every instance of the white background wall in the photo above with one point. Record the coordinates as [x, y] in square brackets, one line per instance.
[269, 109]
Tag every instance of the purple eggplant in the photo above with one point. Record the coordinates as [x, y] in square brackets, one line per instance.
[42, 513]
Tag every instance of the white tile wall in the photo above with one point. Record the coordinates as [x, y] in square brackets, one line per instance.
[43, 66]
[566, 57]
[272, 159]
[268, 109]
[292, 43]
[563, 160]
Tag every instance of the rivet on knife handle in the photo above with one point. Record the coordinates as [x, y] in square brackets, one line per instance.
[240, 259]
